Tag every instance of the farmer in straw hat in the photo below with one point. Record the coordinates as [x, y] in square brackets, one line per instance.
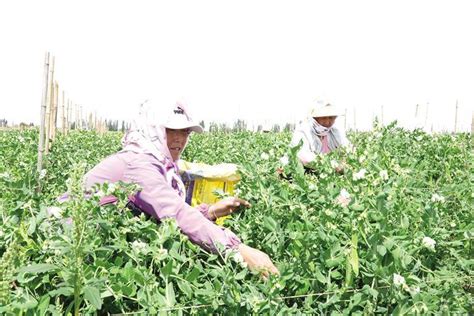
[148, 158]
[318, 133]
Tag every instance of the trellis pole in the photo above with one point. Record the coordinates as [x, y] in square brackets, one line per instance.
[49, 105]
[44, 98]
[54, 116]
[64, 115]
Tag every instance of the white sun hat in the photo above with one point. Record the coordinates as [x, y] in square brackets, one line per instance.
[180, 119]
[323, 108]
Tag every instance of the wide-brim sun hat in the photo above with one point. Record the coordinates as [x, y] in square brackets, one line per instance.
[325, 109]
[179, 118]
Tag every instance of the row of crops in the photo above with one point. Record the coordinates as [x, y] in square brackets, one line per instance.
[392, 234]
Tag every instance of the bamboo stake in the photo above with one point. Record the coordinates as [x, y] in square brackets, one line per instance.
[54, 120]
[43, 116]
[49, 103]
[472, 126]
[456, 118]
[69, 115]
[76, 115]
[64, 116]
[81, 120]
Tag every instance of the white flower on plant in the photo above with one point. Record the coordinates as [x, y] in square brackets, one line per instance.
[414, 290]
[362, 158]
[323, 176]
[344, 198]
[162, 252]
[429, 243]
[398, 280]
[139, 246]
[111, 188]
[359, 175]
[54, 211]
[437, 198]
[5, 175]
[277, 286]
[334, 164]
[264, 156]
[68, 221]
[452, 224]
[312, 186]
[239, 259]
[331, 226]
[42, 173]
[99, 194]
[383, 174]
[284, 160]
[328, 212]
[349, 148]
[418, 138]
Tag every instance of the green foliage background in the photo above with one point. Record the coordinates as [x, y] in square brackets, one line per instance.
[333, 259]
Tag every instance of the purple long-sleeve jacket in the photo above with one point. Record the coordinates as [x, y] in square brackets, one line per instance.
[158, 199]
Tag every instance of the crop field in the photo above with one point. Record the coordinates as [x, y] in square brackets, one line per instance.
[392, 234]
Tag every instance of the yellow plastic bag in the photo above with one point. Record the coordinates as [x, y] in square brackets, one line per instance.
[202, 180]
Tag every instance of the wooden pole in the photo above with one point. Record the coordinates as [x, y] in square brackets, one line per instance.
[69, 115]
[64, 115]
[456, 118]
[76, 115]
[54, 117]
[49, 104]
[44, 98]
[81, 125]
[472, 126]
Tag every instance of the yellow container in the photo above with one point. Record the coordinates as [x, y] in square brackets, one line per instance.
[204, 190]
[202, 180]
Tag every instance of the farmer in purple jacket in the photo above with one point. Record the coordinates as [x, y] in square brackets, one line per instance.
[148, 157]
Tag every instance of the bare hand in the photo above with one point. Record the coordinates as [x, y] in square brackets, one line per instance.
[257, 260]
[225, 207]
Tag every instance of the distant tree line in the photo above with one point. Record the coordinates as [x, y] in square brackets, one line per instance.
[242, 125]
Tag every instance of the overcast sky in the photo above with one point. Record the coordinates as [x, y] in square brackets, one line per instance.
[257, 60]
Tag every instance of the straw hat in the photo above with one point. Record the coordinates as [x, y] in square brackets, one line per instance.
[323, 108]
[180, 119]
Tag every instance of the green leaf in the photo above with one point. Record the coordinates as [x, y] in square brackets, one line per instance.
[381, 250]
[241, 275]
[321, 278]
[66, 291]
[167, 269]
[34, 269]
[185, 288]
[92, 295]
[269, 223]
[38, 268]
[193, 275]
[354, 259]
[170, 297]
